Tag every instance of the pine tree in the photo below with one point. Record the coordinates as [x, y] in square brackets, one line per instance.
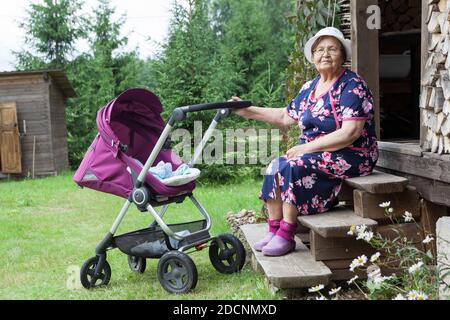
[188, 69]
[98, 76]
[256, 35]
[51, 30]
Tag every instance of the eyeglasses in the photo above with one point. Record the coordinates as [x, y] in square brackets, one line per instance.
[321, 51]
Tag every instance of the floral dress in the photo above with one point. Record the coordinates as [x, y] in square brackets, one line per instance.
[312, 181]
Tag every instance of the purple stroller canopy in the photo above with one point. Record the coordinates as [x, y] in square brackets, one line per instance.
[132, 119]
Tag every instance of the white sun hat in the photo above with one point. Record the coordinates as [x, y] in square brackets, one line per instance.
[332, 32]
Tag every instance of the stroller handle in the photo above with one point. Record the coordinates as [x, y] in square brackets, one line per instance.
[179, 114]
[216, 106]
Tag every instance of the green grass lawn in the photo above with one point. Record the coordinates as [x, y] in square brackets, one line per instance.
[49, 227]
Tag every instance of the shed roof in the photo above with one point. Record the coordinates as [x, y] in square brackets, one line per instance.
[58, 75]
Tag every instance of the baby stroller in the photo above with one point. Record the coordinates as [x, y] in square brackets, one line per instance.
[129, 127]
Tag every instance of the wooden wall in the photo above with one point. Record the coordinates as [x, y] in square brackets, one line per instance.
[31, 94]
[59, 128]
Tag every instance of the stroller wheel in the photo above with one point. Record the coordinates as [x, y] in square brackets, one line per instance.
[137, 264]
[177, 272]
[229, 260]
[87, 274]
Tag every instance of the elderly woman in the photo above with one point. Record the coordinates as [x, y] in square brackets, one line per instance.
[338, 141]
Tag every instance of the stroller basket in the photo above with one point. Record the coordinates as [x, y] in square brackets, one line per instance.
[152, 242]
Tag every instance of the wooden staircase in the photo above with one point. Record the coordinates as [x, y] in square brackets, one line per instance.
[324, 249]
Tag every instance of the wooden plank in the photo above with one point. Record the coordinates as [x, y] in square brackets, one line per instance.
[346, 194]
[420, 166]
[10, 151]
[411, 149]
[378, 182]
[295, 270]
[410, 231]
[323, 249]
[366, 204]
[346, 274]
[59, 129]
[365, 51]
[46, 89]
[431, 190]
[338, 264]
[335, 223]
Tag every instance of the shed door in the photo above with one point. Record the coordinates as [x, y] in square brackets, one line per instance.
[10, 155]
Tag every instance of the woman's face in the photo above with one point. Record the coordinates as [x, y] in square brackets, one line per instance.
[328, 55]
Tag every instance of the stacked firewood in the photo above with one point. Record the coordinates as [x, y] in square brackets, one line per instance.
[435, 97]
[346, 18]
[399, 15]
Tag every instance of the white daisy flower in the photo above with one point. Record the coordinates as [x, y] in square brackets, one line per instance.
[421, 296]
[375, 257]
[361, 229]
[334, 291]
[399, 297]
[428, 239]
[417, 295]
[391, 210]
[412, 295]
[380, 279]
[385, 204]
[408, 216]
[358, 262]
[352, 280]
[316, 288]
[414, 268]
[368, 236]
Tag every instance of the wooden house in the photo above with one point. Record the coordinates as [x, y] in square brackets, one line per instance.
[413, 103]
[33, 132]
[402, 49]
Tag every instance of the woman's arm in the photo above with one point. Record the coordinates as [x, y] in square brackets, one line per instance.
[274, 116]
[337, 140]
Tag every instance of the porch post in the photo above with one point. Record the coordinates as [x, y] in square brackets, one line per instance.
[365, 46]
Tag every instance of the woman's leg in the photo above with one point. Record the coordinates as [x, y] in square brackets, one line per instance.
[283, 242]
[290, 213]
[275, 209]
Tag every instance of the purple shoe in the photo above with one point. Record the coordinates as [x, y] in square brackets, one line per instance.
[278, 246]
[261, 244]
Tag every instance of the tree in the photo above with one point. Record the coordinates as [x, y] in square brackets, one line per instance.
[51, 30]
[256, 35]
[188, 68]
[98, 77]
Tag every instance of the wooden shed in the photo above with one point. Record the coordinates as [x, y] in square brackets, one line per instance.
[406, 63]
[33, 131]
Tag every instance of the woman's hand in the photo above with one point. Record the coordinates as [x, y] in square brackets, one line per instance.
[297, 151]
[240, 111]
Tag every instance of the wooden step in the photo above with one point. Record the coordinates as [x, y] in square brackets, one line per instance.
[335, 223]
[325, 249]
[378, 182]
[367, 205]
[295, 270]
